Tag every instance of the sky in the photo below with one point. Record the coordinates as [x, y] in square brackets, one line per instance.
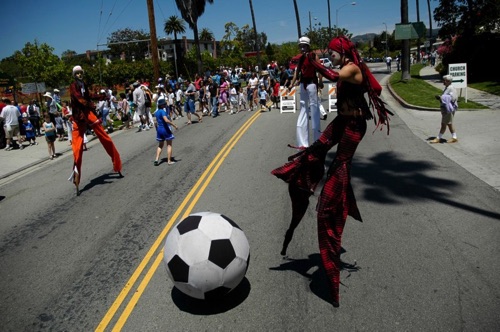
[81, 25]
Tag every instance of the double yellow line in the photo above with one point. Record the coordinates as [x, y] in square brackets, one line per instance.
[192, 198]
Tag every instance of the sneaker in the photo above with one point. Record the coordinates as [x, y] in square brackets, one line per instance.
[8, 148]
[434, 141]
[21, 147]
[147, 127]
[156, 163]
[452, 140]
[171, 162]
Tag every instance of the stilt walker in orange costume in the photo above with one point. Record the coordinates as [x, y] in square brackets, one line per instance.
[84, 115]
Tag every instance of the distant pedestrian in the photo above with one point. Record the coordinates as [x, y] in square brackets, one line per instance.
[139, 98]
[29, 130]
[51, 106]
[10, 114]
[50, 136]
[59, 126]
[263, 96]
[448, 108]
[233, 100]
[66, 114]
[189, 104]
[34, 116]
[164, 132]
[388, 62]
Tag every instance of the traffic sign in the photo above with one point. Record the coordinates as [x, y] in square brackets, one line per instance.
[459, 73]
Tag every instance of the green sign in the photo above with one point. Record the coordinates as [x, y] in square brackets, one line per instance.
[413, 30]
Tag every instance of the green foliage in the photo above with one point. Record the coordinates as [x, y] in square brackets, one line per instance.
[37, 63]
[120, 42]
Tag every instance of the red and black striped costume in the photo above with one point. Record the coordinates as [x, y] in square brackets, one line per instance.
[305, 169]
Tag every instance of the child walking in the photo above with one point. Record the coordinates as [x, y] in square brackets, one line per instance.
[59, 126]
[233, 100]
[50, 136]
[263, 98]
[242, 99]
[30, 131]
[163, 132]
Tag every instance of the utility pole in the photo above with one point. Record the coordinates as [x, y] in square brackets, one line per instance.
[154, 41]
[405, 54]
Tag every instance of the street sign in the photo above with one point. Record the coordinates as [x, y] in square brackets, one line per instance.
[459, 73]
[412, 30]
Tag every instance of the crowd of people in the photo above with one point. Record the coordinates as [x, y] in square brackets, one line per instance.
[230, 90]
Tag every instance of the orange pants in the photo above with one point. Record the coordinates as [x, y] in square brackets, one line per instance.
[77, 144]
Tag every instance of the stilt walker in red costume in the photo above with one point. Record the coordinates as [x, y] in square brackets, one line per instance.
[83, 116]
[305, 169]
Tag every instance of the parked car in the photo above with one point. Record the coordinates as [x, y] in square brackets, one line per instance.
[326, 62]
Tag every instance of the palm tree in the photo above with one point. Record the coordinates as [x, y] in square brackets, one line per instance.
[430, 23]
[297, 17]
[191, 11]
[206, 34]
[255, 35]
[175, 25]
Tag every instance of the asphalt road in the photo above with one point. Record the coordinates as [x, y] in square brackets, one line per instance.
[426, 253]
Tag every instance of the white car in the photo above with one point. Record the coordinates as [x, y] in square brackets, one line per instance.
[326, 62]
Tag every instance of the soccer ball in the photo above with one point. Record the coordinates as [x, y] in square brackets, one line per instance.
[206, 255]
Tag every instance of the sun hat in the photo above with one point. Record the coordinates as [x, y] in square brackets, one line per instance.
[56, 91]
[47, 94]
[448, 78]
[162, 103]
[304, 40]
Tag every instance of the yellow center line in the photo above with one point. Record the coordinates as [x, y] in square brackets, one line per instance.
[212, 167]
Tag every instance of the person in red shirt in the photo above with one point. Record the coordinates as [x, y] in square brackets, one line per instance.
[275, 95]
[83, 112]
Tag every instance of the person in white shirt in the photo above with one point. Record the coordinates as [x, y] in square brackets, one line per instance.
[10, 114]
[252, 90]
[233, 99]
[448, 107]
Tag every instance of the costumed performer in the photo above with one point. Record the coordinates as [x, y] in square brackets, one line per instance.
[84, 115]
[310, 84]
[305, 169]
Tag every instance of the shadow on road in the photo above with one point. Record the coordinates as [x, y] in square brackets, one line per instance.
[392, 180]
[103, 179]
[217, 306]
[319, 282]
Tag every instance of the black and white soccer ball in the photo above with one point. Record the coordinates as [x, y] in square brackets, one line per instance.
[206, 255]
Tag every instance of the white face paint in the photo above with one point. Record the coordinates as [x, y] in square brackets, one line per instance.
[335, 58]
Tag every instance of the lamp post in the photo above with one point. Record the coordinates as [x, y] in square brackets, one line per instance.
[385, 39]
[337, 14]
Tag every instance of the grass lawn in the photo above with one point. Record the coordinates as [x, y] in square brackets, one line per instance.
[419, 93]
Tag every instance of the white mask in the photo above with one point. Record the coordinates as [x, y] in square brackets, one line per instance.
[335, 58]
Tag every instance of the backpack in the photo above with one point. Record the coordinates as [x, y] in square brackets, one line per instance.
[147, 97]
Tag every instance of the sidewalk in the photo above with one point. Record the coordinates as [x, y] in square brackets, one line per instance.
[17, 161]
[478, 146]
